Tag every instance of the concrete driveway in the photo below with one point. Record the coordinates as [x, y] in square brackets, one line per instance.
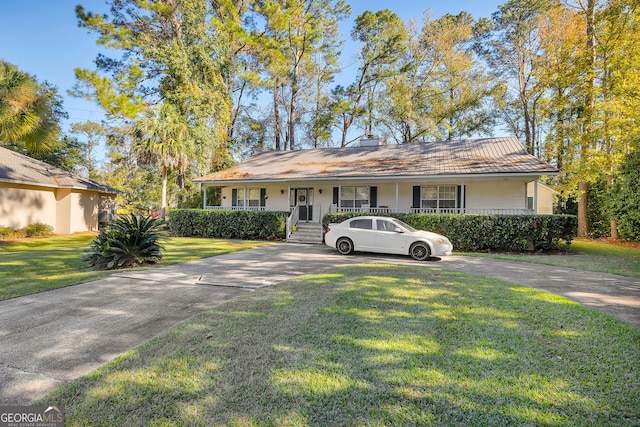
[53, 337]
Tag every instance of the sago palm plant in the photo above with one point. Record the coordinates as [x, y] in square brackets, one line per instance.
[130, 241]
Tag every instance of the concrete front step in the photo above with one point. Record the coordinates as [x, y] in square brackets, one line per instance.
[306, 232]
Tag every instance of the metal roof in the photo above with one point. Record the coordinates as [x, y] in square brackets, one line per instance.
[20, 169]
[486, 156]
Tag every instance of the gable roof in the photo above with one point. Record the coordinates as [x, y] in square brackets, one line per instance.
[428, 159]
[17, 168]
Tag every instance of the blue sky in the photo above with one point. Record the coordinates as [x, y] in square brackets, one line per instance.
[42, 37]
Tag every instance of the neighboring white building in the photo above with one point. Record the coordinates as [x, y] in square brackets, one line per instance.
[489, 175]
[32, 191]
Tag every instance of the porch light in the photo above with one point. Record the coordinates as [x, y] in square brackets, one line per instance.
[281, 191]
[320, 190]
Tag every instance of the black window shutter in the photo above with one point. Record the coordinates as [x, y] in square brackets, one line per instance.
[373, 197]
[234, 197]
[263, 197]
[416, 197]
[460, 202]
[464, 201]
[335, 196]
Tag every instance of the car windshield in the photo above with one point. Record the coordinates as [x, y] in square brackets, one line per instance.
[402, 224]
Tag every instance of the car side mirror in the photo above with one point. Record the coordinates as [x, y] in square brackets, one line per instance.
[399, 230]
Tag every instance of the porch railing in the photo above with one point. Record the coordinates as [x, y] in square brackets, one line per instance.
[386, 209]
[240, 208]
[292, 220]
[381, 210]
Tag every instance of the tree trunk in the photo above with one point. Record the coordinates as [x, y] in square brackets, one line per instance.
[527, 127]
[292, 113]
[369, 125]
[276, 115]
[316, 119]
[343, 142]
[583, 217]
[583, 187]
[163, 202]
[560, 136]
[615, 234]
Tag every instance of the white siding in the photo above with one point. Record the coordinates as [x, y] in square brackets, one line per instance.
[499, 194]
[21, 205]
[65, 210]
[545, 198]
[84, 211]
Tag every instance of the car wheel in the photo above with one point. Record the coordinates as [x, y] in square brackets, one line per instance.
[419, 251]
[344, 246]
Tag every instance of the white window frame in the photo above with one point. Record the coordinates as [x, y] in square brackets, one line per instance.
[438, 194]
[251, 202]
[357, 200]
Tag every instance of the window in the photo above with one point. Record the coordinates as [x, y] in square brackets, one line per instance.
[383, 225]
[438, 197]
[366, 224]
[253, 197]
[354, 197]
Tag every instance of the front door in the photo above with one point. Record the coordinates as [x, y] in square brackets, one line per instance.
[303, 197]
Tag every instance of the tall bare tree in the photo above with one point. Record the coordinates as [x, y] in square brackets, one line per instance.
[512, 52]
[295, 32]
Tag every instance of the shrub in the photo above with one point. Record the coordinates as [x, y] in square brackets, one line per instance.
[9, 233]
[490, 232]
[129, 241]
[37, 229]
[626, 197]
[31, 230]
[228, 224]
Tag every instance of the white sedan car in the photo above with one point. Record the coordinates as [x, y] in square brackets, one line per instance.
[385, 235]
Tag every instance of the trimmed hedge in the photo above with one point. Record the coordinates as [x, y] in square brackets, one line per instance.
[250, 225]
[514, 233]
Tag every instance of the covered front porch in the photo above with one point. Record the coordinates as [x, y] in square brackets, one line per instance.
[309, 201]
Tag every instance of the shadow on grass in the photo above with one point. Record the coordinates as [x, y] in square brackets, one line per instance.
[375, 345]
[37, 265]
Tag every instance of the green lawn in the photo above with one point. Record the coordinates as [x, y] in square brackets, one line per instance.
[374, 345]
[35, 265]
[590, 255]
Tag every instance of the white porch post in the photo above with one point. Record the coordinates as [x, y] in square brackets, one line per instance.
[397, 198]
[204, 202]
[535, 196]
[462, 197]
[289, 196]
[245, 197]
[339, 196]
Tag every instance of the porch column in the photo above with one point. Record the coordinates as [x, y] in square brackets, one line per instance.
[462, 197]
[204, 202]
[535, 196]
[339, 196]
[397, 205]
[245, 197]
[289, 197]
